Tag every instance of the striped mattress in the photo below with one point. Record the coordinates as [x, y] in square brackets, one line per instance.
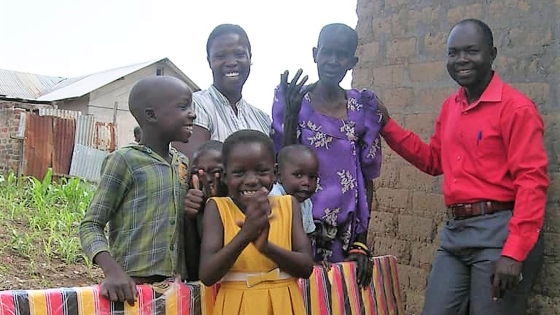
[326, 293]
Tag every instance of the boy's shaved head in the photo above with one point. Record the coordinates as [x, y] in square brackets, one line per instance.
[290, 153]
[152, 92]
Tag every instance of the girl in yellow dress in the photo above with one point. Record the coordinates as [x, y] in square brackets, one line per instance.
[254, 244]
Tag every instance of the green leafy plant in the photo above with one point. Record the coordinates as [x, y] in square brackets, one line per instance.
[50, 210]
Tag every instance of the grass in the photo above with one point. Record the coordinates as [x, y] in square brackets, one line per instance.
[43, 216]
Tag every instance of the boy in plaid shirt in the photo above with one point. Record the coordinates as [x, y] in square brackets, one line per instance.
[140, 195]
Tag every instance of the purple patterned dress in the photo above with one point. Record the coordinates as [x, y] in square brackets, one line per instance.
[349, 154]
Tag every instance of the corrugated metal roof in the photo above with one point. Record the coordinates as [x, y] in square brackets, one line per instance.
[14, 84]
[77, 87]
[47, 89]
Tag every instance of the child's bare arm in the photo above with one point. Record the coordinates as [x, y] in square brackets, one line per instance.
[215, 258]
[299, 261]
[118, 285]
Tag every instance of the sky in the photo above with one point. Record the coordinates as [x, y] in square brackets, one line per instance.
[70, 38]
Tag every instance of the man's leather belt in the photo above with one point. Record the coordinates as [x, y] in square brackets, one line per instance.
[468, 210]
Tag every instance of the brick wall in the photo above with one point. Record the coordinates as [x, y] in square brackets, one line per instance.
[402, 57]
[10, 145]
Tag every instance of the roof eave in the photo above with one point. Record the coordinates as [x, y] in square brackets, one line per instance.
[188, 80]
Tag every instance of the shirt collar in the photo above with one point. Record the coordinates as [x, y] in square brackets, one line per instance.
[176, 156]
[280, 188]
[492, 93]
[222, 100]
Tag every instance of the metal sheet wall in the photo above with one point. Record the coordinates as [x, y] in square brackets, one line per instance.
[37, 145]
[93, 141]
[74, 145]
[64, 131]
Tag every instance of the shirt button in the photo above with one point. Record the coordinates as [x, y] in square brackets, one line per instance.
[455, 180]
[459, 157]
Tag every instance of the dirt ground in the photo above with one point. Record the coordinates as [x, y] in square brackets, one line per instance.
[35, 272]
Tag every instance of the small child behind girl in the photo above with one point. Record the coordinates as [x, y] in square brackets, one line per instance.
[206, 181]
[206, 177]
[257, 247]
[297, 173]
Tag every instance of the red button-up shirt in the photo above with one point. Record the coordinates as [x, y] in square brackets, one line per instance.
[491, 149]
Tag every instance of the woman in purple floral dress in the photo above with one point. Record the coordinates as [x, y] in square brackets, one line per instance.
[343, 127]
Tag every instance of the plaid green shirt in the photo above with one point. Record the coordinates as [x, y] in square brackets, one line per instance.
[140, 196]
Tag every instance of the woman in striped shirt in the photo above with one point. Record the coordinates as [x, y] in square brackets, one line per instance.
[220, 109]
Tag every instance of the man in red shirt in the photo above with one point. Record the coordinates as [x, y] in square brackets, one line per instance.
[488, 144]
